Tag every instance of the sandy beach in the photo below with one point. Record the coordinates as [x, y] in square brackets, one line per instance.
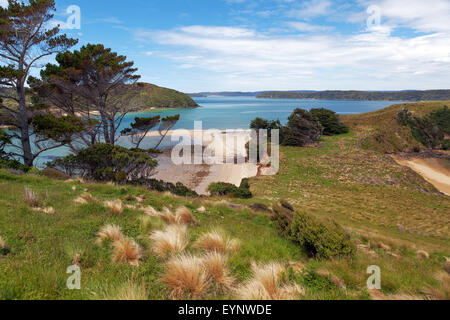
[199, 176]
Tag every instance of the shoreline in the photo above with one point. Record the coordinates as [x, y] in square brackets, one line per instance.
[434, 170]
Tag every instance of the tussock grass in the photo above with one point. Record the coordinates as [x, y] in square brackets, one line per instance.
[217, 241]
[115, 206]
[421, 254]
[85, 198]
[31, 198]
[266, 284]
[167, 216]
[128, 291]
[184, 216]
[109, 232]
[186, 277]
[172, 240]
[126, 250]
[149, 210]
[217, 268]
[2, 243]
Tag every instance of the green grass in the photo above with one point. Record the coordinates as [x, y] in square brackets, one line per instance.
[363, 190]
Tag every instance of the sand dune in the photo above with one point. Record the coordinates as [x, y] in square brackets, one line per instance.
[433, 170]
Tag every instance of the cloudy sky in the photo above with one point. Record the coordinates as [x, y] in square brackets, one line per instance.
[249, 45]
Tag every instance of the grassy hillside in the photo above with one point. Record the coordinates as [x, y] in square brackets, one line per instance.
[390, 212]
[380, 130]
[152, 96]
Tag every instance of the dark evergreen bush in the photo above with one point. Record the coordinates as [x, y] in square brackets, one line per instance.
[329, 121]
[227, 189]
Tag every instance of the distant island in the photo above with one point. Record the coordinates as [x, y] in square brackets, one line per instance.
[359, 95]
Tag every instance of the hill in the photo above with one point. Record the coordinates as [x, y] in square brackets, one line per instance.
[152, 96]
[380, 130]
[360, 95]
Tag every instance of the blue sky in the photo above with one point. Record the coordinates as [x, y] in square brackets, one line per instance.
[249, 45]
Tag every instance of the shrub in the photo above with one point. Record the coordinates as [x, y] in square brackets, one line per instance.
[54, 174]
[161, 186]
[106, 162]
[322, 239]
[302, 129]
[430, 130]
[329, 121]
[227, 189]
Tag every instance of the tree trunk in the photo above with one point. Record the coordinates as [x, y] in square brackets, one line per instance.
[28, 158]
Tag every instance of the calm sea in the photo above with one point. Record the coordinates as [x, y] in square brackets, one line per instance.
[236, 113]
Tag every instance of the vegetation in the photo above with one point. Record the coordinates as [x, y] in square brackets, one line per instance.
[430, 130]
[150, 96]
[381, 131]
[106, 162]
[360, 95]
[24, 42]
[220, 189]
[329, 121]
[323, 239]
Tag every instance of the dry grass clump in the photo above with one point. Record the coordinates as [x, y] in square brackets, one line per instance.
[217, 241]
[126, 250]
[421, 254]
[149, 210]
[170, 241]
[447, 265]
[2, 243]
[186, 277]
[115, 206]
[216, 267]
[48, 211]
[85, 198]
[266, 284]
[167, 216]
[184, 216]
[109, 232]
[442, 292]
[129, 291]
[31, 198]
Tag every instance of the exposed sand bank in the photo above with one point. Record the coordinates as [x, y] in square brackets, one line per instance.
[199, 177]
[435, 171]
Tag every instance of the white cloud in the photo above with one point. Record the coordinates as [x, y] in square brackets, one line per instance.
[225, 32]
[420, 15]
[4, 3]
[311, 9]
[306, 27]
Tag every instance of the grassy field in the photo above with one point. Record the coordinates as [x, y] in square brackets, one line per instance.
[399, 221]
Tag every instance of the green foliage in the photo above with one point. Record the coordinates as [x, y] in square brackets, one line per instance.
[227, 189]
[302, 129]
[321, 238]
[58, 129]
[329, 121]
[105, 162]
[161, 186]
[259, 124]
[245, 184]
[429, 130]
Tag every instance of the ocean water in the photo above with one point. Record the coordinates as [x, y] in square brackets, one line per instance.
[232, 113]
[238, 112]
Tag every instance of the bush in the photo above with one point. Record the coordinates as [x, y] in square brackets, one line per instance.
[54, 174]
[161, 186]
[329, 121]
[323, 239]
[430, 130]
[106, 162]
[302, 129]
[227, 189]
